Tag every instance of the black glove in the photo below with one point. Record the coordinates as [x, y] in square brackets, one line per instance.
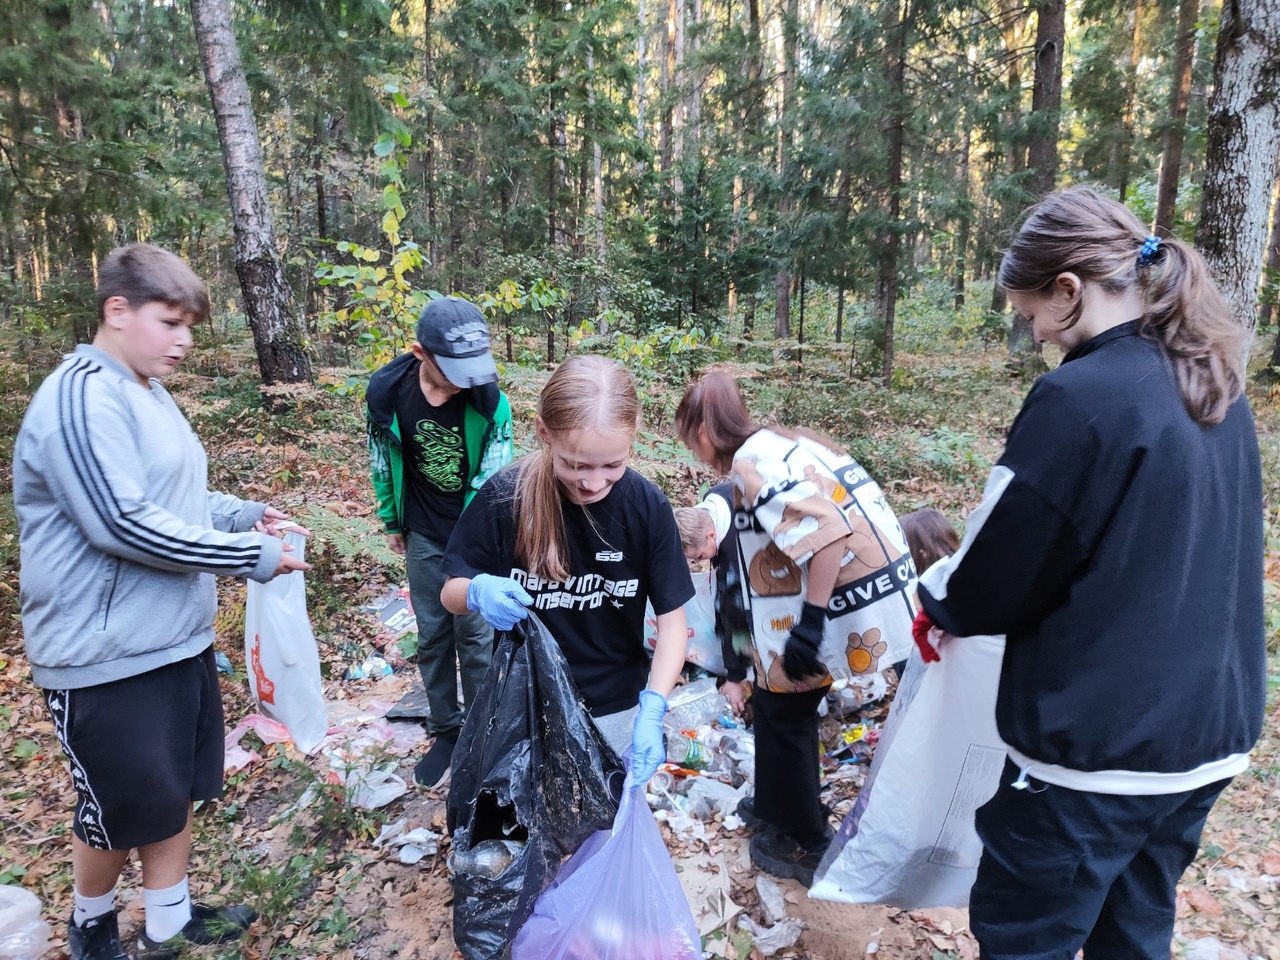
[800, 657]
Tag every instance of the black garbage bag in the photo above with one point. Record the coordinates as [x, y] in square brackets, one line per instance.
[532, 779]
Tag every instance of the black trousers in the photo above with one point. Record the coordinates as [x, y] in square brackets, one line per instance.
[787, 773]
[1064, 869]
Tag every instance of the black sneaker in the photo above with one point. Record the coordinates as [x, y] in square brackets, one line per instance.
[778, 854]
[433, 769]
[747, 814]
[207, 925]
[98, 939]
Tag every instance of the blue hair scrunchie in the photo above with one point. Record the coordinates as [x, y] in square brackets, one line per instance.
[1147, 255]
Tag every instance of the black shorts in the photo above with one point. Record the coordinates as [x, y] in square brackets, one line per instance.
[142, 750]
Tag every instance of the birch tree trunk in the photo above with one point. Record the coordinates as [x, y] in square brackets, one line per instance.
[1243, 145]
[1268, 308]
[277, 334]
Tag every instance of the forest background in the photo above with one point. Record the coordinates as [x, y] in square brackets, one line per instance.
[813, 194]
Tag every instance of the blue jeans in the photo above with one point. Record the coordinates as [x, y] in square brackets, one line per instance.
[447, 644]
[1064, 869]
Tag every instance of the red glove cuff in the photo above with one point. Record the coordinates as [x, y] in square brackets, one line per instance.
[920, 628]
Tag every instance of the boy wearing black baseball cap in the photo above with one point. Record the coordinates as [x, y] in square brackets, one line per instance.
[439, 427]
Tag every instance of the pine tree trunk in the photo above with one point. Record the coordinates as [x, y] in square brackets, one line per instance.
[1042, 151]
[1175, 132]
[642, 33]
[1243, 144]
[277, 334]
[790, 42]
[966, 214]
[1046, 97]
[886, 285]
[1125, 145]
[782, 305]
[429, 172]
[679, 110]
[597, 159]
[1011, 34]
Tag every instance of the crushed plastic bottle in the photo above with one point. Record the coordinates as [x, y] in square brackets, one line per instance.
[373, 666]
[23, 935]
[694, 705]
[488, 858]
[685, 750]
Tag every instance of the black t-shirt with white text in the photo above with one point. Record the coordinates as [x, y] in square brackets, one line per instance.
[435, 461]
[622, 550]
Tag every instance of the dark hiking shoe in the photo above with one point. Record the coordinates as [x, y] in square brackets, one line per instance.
[747, 814]
[433, 769]
[777, 854]
[98, 939]
[207, 925]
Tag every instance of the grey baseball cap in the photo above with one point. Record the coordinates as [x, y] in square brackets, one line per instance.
[454, 332]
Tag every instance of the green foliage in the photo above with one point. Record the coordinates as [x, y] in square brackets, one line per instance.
[951, 453]
[379, 302]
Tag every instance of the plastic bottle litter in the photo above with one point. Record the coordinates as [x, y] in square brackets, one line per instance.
[694, 705]
[685, 750]
[662, 781]
[486, 859]
[844, 702]
[373, 666]
[23, 935]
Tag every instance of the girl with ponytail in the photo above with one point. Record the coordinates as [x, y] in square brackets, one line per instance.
[573, 533]
[1119, 546]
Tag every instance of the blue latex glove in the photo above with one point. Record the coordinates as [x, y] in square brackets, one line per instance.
[500, 600]
[647, 748]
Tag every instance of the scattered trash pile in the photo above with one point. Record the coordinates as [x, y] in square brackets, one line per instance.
[711, 754]
[711, 760]
[394, 614]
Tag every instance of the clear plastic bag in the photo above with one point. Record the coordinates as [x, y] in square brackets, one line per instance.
[700, 619]
[617, 898]
[23, 935]
[281, 655]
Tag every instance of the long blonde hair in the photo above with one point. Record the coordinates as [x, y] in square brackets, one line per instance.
[584, 393]
[1082, 232]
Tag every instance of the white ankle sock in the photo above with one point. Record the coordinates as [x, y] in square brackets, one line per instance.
[87, 908]
[168, 911]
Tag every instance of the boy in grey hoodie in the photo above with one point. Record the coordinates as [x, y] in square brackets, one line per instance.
[120, 539]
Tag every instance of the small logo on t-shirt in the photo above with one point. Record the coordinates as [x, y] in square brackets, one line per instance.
[610, 556]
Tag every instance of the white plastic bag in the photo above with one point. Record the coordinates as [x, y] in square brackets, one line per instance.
[281, 656]
[909, 840]
[700, 618]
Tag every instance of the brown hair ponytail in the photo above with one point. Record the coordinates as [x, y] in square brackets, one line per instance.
[1188, 317]
[585, 392]
[1100, 240]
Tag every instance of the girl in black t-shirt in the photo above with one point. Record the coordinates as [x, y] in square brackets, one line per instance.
[571, 532]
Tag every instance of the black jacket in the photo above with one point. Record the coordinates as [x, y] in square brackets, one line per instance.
[1122, 555]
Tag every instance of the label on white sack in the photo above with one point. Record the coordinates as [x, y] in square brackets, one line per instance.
[956, 846]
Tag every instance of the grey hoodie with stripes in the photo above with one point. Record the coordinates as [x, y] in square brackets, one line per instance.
[120, 536]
